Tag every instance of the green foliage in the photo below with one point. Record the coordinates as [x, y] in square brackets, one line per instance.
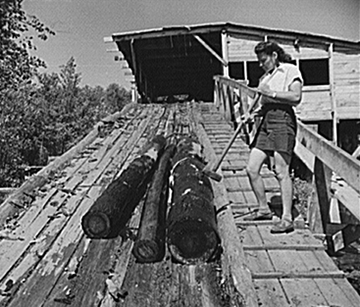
[17, 65]
[41, 114]
[48, 117]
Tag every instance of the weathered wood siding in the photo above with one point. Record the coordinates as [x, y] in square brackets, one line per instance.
[347, 85]
[316, 103]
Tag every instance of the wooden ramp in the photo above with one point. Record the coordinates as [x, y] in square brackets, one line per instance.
[46, 260]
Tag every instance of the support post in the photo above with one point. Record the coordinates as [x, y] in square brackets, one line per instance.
[322, 178]
[225, 52]
[334, 114]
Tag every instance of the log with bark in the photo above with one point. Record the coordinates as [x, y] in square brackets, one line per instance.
[192, 230]
[110, 213]
[150, 243]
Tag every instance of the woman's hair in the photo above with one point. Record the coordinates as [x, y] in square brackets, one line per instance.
[270, 47]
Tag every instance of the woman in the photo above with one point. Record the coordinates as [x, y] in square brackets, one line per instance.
[281, 89]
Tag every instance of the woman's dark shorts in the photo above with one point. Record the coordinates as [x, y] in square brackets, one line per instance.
[277, 132]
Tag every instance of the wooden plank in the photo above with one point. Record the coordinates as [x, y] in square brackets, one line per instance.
[33, 223]
[348, 197]
[246, 189]
[299, 236]
[121, 263]
[120, 145]
[303, 292]
[298, 247]
[342, 163]
[297, 274]
[347, 289]
[233, 168]
[332, 292]
[269, 292]
[36, 288]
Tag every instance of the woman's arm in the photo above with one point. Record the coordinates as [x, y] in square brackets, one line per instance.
[291, 97]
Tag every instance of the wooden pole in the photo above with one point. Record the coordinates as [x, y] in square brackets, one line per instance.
[150, 243]
[192, 230]
[334, 115]
[225, 52]
[112, 210]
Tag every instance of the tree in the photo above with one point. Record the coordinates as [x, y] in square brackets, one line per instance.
[17, 65]
[70, 81]
[116, 96]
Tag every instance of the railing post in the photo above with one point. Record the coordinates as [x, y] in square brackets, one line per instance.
[216, 92]
[322, 178]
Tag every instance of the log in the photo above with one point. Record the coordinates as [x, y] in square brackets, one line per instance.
[192, 230]
[110, 213]
[150, 243]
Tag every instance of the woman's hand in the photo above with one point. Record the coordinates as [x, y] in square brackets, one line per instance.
[266, 93]
[265, 90]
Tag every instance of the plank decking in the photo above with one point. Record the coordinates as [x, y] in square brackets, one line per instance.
[46, 260]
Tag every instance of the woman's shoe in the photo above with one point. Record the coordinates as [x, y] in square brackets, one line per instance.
[284, 226]
[259, 216]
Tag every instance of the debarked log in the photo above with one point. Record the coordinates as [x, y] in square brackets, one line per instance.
[192, 230]
[109, 214]
[150, 243]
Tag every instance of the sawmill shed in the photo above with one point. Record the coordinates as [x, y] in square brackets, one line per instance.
[180, 61]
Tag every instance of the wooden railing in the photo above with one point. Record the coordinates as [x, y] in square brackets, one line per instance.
[232, 97]
[320, 155]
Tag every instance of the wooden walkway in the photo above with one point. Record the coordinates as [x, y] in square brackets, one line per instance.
[287, 270]
[46, 260]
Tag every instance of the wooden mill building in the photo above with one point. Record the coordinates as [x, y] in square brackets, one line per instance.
[182, 60]
[192, 82]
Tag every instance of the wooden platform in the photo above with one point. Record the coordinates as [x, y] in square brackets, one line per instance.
[46, 260]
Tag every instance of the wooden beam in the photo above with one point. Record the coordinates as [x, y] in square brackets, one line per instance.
[342, 163]
[212, 51]
[133, 55]
[301, 247]
[332, 93]
[251, 92]
[234, 257]
[225, 52]
[297, 274]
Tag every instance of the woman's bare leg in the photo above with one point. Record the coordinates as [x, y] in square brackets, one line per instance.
[286, 187]
[256, 160]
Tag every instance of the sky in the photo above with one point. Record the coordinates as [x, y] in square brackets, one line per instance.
[81, 25]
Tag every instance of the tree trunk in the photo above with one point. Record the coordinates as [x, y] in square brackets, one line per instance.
[192, 230]
[150, 244]
[112, 210]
